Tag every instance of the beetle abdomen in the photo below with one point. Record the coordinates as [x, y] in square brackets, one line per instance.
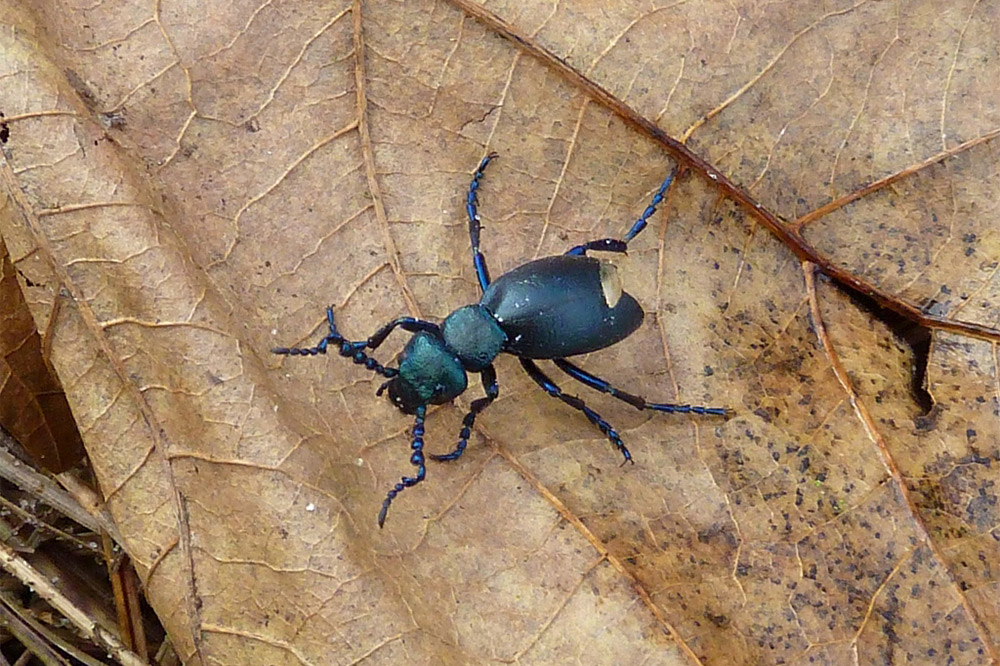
[561, 306]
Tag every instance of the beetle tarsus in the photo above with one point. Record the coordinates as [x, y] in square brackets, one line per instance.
[688, 409]
[640, 224]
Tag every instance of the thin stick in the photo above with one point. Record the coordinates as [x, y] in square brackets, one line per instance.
[27, 574]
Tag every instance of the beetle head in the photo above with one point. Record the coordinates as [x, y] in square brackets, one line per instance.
[429, 374]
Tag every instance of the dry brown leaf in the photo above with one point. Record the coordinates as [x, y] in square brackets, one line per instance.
[33, 407]
[193, 183]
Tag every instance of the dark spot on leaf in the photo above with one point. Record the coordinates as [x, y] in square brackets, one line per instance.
[981, 510]
[113, 119]
[717, 620]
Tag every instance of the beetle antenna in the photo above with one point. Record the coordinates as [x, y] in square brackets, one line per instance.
[346, 348]
[416, 459]
[475, 223]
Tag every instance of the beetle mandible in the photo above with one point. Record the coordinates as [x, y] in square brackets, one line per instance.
[550, 308]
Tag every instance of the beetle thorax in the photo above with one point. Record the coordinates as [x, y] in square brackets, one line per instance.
[474, 335]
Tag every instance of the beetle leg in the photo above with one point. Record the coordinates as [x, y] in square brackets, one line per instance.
[576, 403]
[598, 384]
[616, 245]
[416, 459]
[475, 224]
[489, 379]
[603, 245]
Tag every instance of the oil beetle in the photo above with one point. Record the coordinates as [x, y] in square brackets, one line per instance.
[549, 308]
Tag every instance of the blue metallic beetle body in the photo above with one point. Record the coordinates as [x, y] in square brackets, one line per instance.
[550, 308]
[560, 306]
